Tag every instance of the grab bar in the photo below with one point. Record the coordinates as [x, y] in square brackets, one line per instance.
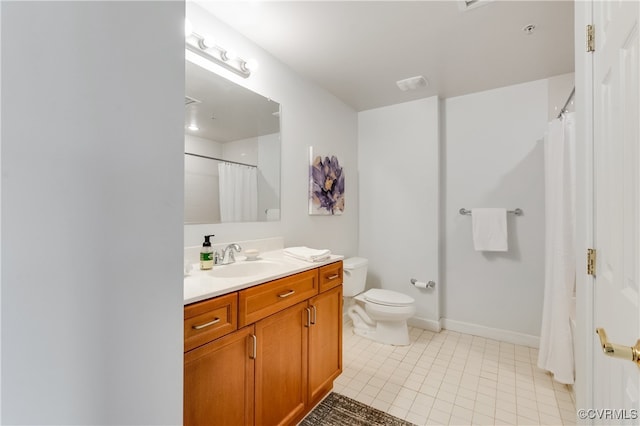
[517, 212]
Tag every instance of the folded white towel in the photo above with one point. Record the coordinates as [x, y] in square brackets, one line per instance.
[308, 254]
[489, 229]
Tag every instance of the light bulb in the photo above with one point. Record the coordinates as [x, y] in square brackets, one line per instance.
[193, 127]
[206, 42]
[250, 65]
[188, 28]
[228, 55]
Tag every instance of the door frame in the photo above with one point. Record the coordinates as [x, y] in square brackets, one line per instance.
[584, 354]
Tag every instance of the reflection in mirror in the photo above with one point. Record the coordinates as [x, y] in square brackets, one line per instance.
[232, 151]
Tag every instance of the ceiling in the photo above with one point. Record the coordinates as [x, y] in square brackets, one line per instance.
[357, 50]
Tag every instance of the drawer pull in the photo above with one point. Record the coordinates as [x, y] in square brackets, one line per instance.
[210, 323]
[308, 324]
[254, 348]
[315, 314]
[287, 294]
[333, 277]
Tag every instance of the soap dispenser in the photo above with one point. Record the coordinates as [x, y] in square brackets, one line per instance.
[206, 254]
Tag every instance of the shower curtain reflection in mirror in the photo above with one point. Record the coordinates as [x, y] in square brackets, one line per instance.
[238, 186]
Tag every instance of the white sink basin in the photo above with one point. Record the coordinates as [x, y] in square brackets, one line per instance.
[245, 269]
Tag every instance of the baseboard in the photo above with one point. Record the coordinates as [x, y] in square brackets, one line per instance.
[426, 324]
[498, 334]
[492, 333]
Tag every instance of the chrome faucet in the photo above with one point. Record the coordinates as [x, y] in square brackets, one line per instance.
[227, 256]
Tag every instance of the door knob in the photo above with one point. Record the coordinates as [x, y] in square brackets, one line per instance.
[618, 351]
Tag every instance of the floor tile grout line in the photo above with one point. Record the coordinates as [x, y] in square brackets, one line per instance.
[412, 375]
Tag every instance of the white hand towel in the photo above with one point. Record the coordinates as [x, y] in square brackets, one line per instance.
[489, 229]
[308, 254]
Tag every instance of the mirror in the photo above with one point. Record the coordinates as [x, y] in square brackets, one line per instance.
[232, 151]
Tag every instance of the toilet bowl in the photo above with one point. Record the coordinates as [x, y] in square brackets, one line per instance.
[377, 314]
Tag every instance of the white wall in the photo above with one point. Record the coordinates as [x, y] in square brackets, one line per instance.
[242, 151]
[398, 148]
[201, 180]
[309, 117]
[202, 146]
[493, 158]
[269, 154]
[92, 92]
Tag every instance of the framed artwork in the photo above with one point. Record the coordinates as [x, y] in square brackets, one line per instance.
[326, 185]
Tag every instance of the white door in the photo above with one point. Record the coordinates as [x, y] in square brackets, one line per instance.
[616, 382]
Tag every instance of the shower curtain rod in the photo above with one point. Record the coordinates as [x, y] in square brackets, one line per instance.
[220, 159]
[566, 104]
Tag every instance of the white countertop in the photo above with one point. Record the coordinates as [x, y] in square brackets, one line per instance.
[201, 285]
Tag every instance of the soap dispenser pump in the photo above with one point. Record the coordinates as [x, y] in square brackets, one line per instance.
[206, 254]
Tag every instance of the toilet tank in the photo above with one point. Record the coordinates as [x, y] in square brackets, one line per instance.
[355, 275]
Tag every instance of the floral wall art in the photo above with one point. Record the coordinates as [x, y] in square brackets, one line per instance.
[326, 185]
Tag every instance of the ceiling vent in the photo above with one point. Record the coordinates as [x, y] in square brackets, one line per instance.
[413, 83]
[472, 4]
[189, 101]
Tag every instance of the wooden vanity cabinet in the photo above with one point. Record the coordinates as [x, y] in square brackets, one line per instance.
[279, 364]
[219, 381]
[330, 276]
[265, 299]
[210, 319]
[325, 343]
[325, 333]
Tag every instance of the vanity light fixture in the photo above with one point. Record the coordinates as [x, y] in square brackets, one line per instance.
[206, 47]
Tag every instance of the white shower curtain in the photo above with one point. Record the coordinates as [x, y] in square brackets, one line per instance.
[238, 193]
[556, 342]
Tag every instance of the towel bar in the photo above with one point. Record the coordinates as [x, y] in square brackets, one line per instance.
[517, 212]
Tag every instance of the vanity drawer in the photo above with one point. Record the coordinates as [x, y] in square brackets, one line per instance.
[330, 276]
[210, 319]
[263, 300]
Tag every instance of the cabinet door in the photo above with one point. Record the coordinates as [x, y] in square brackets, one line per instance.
[219, 381]
[281, 366]
[325, 342]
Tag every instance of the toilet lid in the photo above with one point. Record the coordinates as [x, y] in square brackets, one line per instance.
[388, 297]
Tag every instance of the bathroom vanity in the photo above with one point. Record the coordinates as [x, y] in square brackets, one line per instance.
[266, 350]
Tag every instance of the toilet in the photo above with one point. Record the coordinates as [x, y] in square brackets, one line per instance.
[377, 314]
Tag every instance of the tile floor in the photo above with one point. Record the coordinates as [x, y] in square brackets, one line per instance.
[450, 378]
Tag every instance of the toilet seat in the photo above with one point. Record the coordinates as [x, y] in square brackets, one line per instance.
[387, 297]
